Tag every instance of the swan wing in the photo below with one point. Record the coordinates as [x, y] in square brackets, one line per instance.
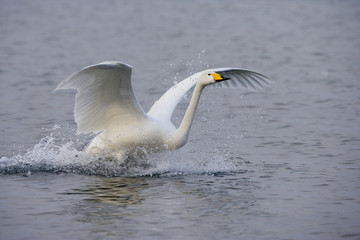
[104, 95]
[165, 106]
[239, 78]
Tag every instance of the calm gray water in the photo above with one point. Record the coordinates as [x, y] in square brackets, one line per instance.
[279, 164]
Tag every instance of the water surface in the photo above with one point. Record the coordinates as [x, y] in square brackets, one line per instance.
[278, 164]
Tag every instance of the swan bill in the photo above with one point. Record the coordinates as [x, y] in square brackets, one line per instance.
[218, 78]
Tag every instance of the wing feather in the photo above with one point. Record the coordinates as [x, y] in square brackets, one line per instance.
[252, 78]
[165, 106]
[242, 78]
[104, 93]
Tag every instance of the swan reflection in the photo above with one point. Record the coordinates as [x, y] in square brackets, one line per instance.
[121, 191]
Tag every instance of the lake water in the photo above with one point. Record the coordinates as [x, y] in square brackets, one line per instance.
[283, 163]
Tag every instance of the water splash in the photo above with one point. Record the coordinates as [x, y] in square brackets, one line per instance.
[61, 152]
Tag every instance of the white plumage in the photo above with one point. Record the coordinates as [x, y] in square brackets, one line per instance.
[106, 105]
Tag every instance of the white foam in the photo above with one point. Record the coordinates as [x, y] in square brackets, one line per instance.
[58, 152]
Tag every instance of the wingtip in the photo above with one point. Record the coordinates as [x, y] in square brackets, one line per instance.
[112, 64]
[103, 65]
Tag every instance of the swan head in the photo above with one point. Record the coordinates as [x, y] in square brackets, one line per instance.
[209, 77]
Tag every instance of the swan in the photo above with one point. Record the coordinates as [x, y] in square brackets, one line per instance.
[105, 105]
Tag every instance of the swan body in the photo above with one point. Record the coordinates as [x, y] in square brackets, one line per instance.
[106, 105]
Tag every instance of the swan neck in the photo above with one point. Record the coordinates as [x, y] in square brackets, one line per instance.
[183, 131]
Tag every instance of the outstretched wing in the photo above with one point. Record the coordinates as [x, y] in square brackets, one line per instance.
[165, 106]
[104, 94]
[239, 78]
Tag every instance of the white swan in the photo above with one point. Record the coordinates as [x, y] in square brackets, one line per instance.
[105, 104]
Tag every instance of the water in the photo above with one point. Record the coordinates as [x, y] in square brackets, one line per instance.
[279, 164]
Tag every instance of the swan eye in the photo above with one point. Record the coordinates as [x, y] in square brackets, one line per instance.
[209, 74]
